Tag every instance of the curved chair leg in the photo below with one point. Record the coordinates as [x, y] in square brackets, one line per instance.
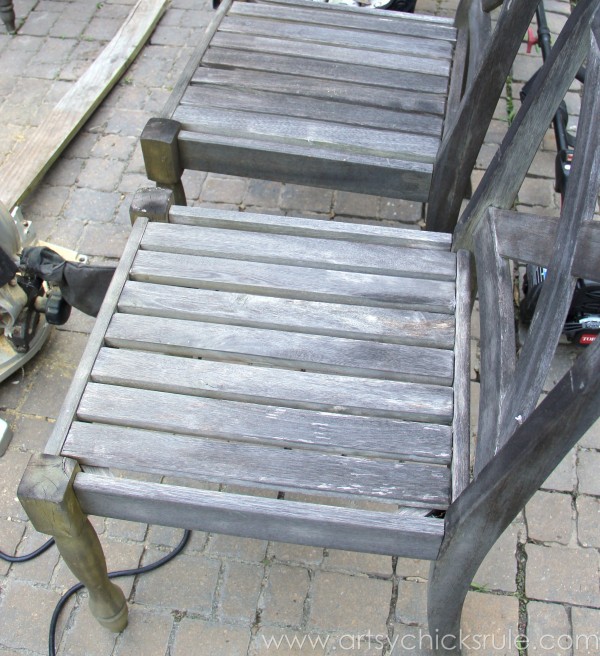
[46, 492]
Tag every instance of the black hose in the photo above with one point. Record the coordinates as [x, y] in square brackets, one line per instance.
[111, 575]
[26, 557]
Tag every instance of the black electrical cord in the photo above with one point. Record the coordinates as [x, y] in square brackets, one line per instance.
[111, 575]
[29, 556]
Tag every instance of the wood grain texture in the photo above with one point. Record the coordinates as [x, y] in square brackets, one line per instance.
[461, 385]
[313, 252]
[294, 282]
[21, 172]
[295, 418]
[220, 461]
[96, 338]
[529, 238]
[263, 385]
[313, 108]
[285, 63]
[365, 21]
[314, 353]
[303, 227]
[299, 86]
[336, 320]
[255, 517]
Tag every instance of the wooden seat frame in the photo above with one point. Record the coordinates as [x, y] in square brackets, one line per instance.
[519, 443]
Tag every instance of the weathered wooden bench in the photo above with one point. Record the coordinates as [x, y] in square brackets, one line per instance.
[329, 361]
[368, 101]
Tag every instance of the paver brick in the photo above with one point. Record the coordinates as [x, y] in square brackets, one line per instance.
[499, 568]
[550, 517]
[147, 633]
[246, 549]
[286, 591]
[491, 621]
[546, 623]
[586, 631]
[12, 533]
[206, 639]
[588, 521]
[91, 205]
[591, 439]
[295, 553]
[239, 591]
[274, 641]
[355, 562]
[588, 466]
[411, 607]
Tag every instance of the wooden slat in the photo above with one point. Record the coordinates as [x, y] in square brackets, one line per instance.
[307, 132]
[364, 21]
[461, 432]
[256, 517]
[314, 108]
[358, 95]
[294, 282]
[315, 353]
[256, 423]
[23, 170]
[302, 227]
[374, 324]
[530, 237]
[237, 463]
[363, 11]
[331, 54]
[368, 42]
[306, 164]
[95, 340]
[262, 385]
[300, 251]
[393, 79]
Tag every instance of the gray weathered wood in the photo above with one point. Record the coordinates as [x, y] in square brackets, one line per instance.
[530, 238]
[276, 519]
[300, 226]
[480, 32]
[313, 108]
[409, 483]
[300, 251]
[498, 343]
[368, 42]
[484, 510]
[315, 353]
[294, 282]
[7, 13]
[507, 170]
[363, 21]
[378, 324]
[308, 132]
[460, 147]
[354, 94]
[46, 493]
[461, 384]
[95, 341]
[321, 69]
[554, 301]
[263, 385]
[458, 77]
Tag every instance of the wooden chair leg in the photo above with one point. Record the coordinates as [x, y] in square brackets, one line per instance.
[7, 13]
[161, 156]
[46, 492]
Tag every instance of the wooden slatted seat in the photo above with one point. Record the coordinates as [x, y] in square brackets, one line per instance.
[339, 97]
[329, 362]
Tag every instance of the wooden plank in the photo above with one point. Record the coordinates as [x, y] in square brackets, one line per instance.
[262, 385]
[313, 252]
[367, 42]
[256, 423]
[303, 227]
[294, 282]
[458, 78]
[194, 61]
[316, 353]
[307, 132]
[321, 69]
[262, 518]
[314, 108]
[374, 324]
[380, 22]
[363, 11]
[530, 237]
[461, 429]
[460, 147]
[331, 54]
[95, 340]
[21, 172]
[509, 167]
[365, 95]
[220, 461]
